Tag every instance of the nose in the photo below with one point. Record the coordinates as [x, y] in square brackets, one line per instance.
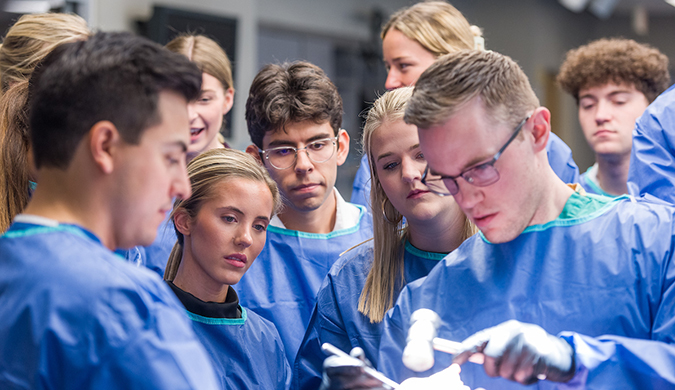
[602, 112]
[243, 237]
[468, 195]
[180, 187]
[192, 112]
[411, 170]
[302, 162]
[393, 79]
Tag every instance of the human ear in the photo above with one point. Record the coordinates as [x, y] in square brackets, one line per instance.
[229, 100]
[181, 220]
[343, 146]
[104, 142]
[253, 151]
[541, 127]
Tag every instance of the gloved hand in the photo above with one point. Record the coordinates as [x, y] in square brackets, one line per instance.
[447, 379]
[520, 352]
[343, 373]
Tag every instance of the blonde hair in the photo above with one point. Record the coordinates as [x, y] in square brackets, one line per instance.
[27, 42]
[437, 26]
[456, 78]
[207, 54]
[207, 170]
[387, 270]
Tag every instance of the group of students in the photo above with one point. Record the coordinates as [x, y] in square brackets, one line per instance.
[460, 205]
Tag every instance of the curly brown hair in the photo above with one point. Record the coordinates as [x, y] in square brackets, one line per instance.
[621, 61]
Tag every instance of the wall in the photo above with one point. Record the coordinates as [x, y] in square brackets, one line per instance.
[536, 33]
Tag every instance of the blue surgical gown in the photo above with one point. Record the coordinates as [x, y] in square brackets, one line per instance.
[247, 352]
[559, 157]
[602, 277]
[652, 159]
[336, 318]
[75, 316]
[282, 283]
[589, 183]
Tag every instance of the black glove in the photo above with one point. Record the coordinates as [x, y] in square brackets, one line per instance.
[345, 373]
[521, 352]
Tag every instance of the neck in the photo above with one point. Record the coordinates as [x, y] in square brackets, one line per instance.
[613, 173]
[320, 220]
[442, 234]
[66, 199]
[552, 195]
[214, 144]
[193, 279]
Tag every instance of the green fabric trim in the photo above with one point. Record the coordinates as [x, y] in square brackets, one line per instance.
[320, 236]
[44, 230]
[423, 254]
[219, 321]
[595, 186]
[578, 209]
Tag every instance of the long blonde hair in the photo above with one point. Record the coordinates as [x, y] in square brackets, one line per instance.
[205, 171]
[437, 26]
[387, 270]
[27, 42]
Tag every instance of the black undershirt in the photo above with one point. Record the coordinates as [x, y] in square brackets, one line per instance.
[227, 309]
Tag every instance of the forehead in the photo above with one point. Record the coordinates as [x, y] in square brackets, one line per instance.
[247, 195]
[468, 137]
[607, 89]
[299, 132]
[393, 137]
[395, 44]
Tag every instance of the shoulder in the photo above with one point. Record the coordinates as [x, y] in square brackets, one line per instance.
[359, 257]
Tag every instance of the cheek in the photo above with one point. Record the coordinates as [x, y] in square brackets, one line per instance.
[258, 244]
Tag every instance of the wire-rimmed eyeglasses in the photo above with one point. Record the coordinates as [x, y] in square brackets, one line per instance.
[284, 157]
[480, 175]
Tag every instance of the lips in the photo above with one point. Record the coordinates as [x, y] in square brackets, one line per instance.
[305, 187]
[483, 220]
[416, 193]
[236, 259]
[195, 132]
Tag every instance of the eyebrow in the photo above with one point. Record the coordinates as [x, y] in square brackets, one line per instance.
[179, 144]
[281, 142]
[589, 96]
[385, 155]
[237, 211]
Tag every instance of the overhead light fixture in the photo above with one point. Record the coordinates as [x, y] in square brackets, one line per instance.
[576, 5]
[602, 8]
[32, 6]
[671, 2]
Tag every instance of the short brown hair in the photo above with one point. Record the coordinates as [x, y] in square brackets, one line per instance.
[621, 61]
[456, 78]
[288, 93]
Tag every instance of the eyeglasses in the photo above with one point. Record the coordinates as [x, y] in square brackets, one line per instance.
[284, 157]
[480, 175]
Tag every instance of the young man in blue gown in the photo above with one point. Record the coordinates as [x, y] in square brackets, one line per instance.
[294, 114]
[560, 285]
[109, 128]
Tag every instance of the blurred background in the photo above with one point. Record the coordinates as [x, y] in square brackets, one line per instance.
[342, 37]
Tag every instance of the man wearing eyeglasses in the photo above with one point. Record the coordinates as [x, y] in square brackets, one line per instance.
[559, 285]
[294, 114]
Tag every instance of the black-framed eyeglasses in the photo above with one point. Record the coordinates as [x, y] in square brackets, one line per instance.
[480, 175]
[284, 157]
